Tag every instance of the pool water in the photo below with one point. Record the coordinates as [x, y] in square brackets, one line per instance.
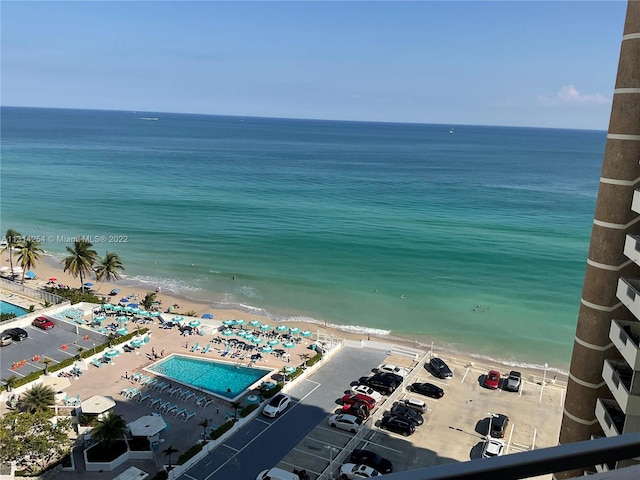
[219, 378]
[6, 307]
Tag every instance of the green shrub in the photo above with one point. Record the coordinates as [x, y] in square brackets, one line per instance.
[6, 316]
[315, 359]
[270, 393]
[222, 429]
[189, 453]
[74, 295]
[248, 409]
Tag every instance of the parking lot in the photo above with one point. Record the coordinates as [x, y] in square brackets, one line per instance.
[22, 358]
[454, 428]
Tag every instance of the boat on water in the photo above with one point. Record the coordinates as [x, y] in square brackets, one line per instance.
[148, 118]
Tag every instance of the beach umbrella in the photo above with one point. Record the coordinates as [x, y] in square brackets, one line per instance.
[117, 308]
[124, 300]
[254, 323]
[294, 330]
[266, 349]
[257, 340]
[306, 333]
[194, 323]
[111, 353]
[137, 342]
[143, 313]
[107, 306]
[133, 305]
[281, 328]
[227, 332]
[155, 314]
[239, 321]
[178, 319]
[248, 337]
[207, 316]
[30, 275]
[288, 345]
[241, 333]
[100, 318]
[121, 318]
[228, 323]
[88, 284]
[273, 342]
[127, 309]
[115, 291]
[289, 369]
[264, 327]
[122, 331]
[52, 279]
[135, 310]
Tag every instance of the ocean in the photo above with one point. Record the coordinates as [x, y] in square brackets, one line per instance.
[474, 238]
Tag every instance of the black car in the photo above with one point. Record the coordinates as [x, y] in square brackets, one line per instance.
[427, 389]
[398, 424]
[380, 383]
[371, 459]
[498, 424]
[392, 376]
[17, 334]
[400, 410]
[438, 368]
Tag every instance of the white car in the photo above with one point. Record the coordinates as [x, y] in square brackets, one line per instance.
[391, 368]
[347, 422]
[492, 448]
[277, 405]
[365, 390]
[355, 472]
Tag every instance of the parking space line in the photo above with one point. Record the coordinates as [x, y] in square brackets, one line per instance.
[369, 442]
[465, 374]
[533, 442]
[510, 436]
[230, 448]
[296, 466]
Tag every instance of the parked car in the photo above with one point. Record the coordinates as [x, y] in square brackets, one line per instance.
[414, 404]
[404, 411]
[17, 334]
[358, 409]
[498, 424]
[398, 424]
[513, 381]
[439, 368]
[5, 339]
[391, 368]
[358, 397]
[492, 380]
[43, 323]
[355, 472]
[345, 421]
[492, 448]
[392, 376]
[365, 390]
[381, 384]
[277, 474]
[277, 405]
[371, 459]
[427, 389]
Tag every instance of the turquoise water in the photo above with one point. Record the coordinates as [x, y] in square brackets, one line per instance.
[6, 307]
[475, 240]
[223, 379]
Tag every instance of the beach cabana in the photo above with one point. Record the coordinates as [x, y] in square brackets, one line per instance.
[97, 405]
[147, 426]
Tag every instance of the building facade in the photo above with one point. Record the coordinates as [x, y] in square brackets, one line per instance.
[603, 393]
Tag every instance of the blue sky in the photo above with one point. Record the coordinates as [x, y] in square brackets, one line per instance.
[544, 63]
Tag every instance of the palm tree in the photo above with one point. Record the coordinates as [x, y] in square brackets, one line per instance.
[204, 424]
[29, 253]
[168, 452]
[107, 267]
[305, 357]
[10, 382]
[149, 300]
[81, 260]
[109, 429]
[13, 239]
[46, 361]
[235, 405]
[79, 349]
[38, 399]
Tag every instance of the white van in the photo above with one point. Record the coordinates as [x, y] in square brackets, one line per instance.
[277, 474]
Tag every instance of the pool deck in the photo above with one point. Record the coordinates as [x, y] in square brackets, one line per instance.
[109, 380]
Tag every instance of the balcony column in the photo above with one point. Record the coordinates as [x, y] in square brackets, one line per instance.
[606, 262]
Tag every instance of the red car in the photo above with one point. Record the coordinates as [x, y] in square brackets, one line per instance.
[359, 398]
[43, 323]
[358, 409]
[492, 380]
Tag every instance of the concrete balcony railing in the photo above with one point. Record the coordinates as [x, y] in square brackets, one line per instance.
[632, 248]
[625, 335]
[635, 204]
[618, 376]
[628, 292]
[610, 417]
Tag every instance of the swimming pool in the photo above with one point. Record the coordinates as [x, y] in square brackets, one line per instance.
[6, 307]
[226, 380]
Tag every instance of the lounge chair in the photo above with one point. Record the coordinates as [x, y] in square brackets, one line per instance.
[199, 400]
[162, 405]
[187, 416]
[153, 402]
[143, 379]
[151, 382]
[142, 398]
[195, 347]
[96, 362]
[207, 402]
[175, 391]
[188, 396]
[179, 412]
[161, 386]
[169, 408]
[125, 391]
[133, 393]
[206, 348]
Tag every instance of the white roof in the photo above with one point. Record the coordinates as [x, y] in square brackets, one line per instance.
[132, 473]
